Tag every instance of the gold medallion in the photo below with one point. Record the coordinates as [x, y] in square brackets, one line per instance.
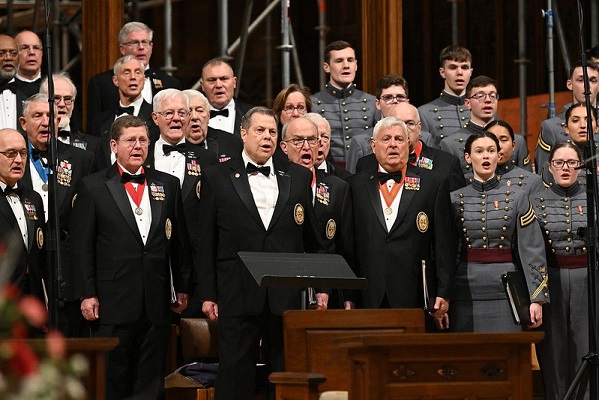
[73, 201]
[168, 229]
[422, 221]
[331, 229]
[298, 214]
[40, 238]
[198, 185]
[388, 211]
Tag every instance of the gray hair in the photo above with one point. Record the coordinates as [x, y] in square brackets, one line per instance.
[132, 27]
[61, 75]
[388, 122]
[192, 94]
[123, 60]
[167, 94]
[317, 119]
[246, 119]
[38, 97]
[285, 127]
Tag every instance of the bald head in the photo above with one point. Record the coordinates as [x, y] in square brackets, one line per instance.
[300, 141]
[409, 115]
[9, 57]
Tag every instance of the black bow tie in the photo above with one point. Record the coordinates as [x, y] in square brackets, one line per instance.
[384, 177]
[18, 191]
[36, 154]
[64, 134]
[412, 158]
[125, 110]
[12, 86]
[223, 112]
[126, 177]
[168, 149]
[252, 169]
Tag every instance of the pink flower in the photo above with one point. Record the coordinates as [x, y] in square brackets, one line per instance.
[33, 310]
[56, 344]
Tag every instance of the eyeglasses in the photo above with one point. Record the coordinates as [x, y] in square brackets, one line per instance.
[68, 100]
[481, 96]
[388, 98]
[411, 124]
[289, 109]
[12, 154]
[26, 49]
[136, 43]
[6, 53]
[560, 163]
[325, 139]
[131, 142]
[170, 114]
[299, 142]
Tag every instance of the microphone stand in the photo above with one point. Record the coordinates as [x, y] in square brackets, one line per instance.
[56, 295]
[590, 360]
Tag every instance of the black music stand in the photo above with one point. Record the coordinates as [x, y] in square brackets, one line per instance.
[301, 270]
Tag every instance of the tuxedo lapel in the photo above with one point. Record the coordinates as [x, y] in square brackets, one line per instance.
[118, 192]
[284, 183]
[239, 178]
[375, 198]
[31, 233]
[212, 143]
[6, 212]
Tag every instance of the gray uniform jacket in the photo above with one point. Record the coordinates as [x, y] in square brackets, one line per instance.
[444, 116]
[350, 112]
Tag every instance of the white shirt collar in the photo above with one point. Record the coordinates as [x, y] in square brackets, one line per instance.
[246, 159]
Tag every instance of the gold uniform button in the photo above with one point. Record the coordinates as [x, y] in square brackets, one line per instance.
[440, 126]
[567, 221]
[483, 196]
[505, 217]
[500, 247]
[343, 104]
[483, 220]
[569, 239]
[365, 117]
[567, 214]
[484, 229]
[347, 147]
[504, 229]
[364, 109]
[346, 128]
[460, 140]
[567, 207]
[484, 247]
[439, 118]
[482, 203]
[435, 109]
[567, 231]
[484, 238]
[347, 138]
[482, 211]
[568, 248]
[506, 208]
[345, 111]
[346, 119]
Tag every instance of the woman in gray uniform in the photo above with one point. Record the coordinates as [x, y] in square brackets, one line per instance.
[561, 211]
[499, 234]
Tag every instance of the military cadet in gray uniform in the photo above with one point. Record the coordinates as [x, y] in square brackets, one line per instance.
[494, 221]
[507, 171]
[481, 100]
[552, 129]
[392, 89]
[447, 114]
[348, 110]
[561, 211]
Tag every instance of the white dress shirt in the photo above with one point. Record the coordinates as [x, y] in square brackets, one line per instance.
[221, 122]
[173, 164]
[8, 109]
[144, 221]
[17, 209]
[390, 219]
[265, 190]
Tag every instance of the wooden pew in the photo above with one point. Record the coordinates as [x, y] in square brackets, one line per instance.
[311, 353]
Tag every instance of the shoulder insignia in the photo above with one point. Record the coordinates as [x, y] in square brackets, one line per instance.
[542, 144]
[528, 217]
[526, 160]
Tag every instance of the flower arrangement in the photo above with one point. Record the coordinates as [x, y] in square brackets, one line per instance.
[34, 369]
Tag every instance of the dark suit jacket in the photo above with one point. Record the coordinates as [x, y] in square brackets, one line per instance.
[231, 223]
[337, 170]
[106, 118]
[28, 88]
[103, 151]
[83, 141]
[109, 257]
[240, 109]
[444, 163]
[423, 230]
[102, 95]
[77, 163]
[33, 257]
[225, 145]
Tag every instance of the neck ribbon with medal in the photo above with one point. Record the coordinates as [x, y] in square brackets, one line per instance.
[390, 195]
[136, 194]
[42, 170]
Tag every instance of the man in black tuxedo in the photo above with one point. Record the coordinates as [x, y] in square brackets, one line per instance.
[403, 216]
[135, 38]
[331, 201]
[225, 145]
[127, 231]
[128, 78]
[249, 204]
[12, 97]
[172, 154]
[65, 93]
[421, 155]
[29, 73]
[218, 84]
[22, 226]
[73, 164]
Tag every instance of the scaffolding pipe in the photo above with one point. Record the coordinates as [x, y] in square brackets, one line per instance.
[296, 64]
[285, 46]
[269, 74]
[322, 39]
[247, 15]
[562, 40]
[168, 37]
[550, 62]
[522, 61]
[9, 18]
[56, 37]
[454, 22]
[222, 9]
[594, 19]
[233, 48]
